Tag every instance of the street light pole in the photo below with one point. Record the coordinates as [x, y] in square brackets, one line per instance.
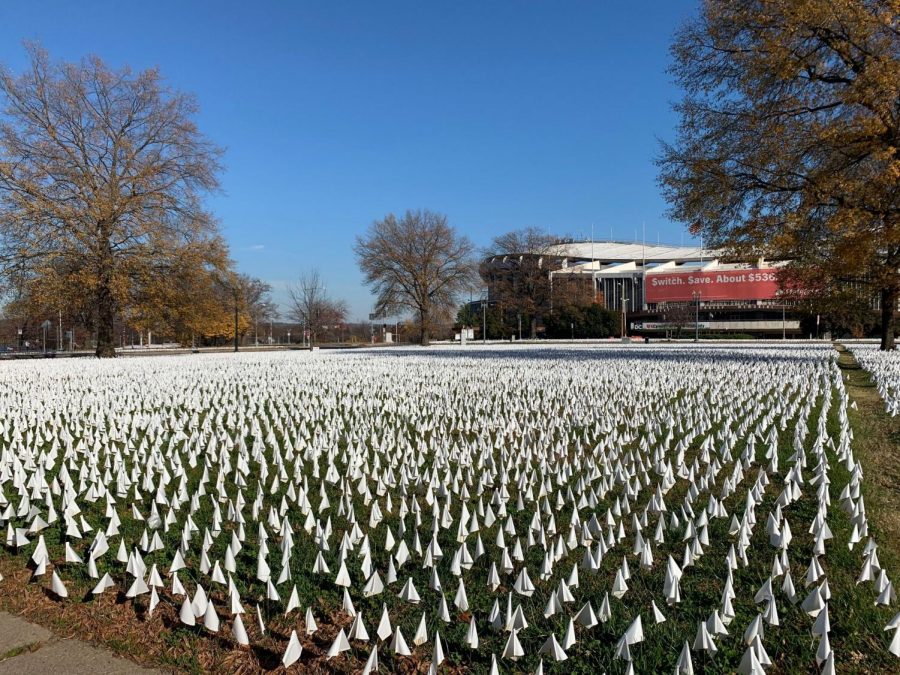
[235, 319]
[484, 320]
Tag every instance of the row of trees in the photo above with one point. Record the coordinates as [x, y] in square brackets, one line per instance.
[102, 178]
[102, 224]
[195, 307]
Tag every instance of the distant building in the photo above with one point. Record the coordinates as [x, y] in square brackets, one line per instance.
[664, 289]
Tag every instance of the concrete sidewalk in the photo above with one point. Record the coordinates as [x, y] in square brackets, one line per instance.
[27, 648]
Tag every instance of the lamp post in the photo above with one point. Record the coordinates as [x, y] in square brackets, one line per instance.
[484, 318]
[235, 318]
[696, 296]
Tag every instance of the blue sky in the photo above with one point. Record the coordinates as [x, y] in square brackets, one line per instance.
[499, 114]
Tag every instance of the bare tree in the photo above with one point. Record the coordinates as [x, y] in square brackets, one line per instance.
[525, 240]
[416, 263]
[680, 316]
[517, 267]
[257, 300]
[311, 306]
[101, 173]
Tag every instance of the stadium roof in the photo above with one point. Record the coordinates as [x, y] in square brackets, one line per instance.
[616, 251]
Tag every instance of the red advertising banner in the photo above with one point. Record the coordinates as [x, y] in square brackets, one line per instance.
[749, 284]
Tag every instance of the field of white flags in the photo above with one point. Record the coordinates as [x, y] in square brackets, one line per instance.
[884, 367]
[583, 510]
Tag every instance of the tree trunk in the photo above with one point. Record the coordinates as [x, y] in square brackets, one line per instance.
[888, 310]
[533, 331]
[106, 302]
[106, 313]
[424, 339]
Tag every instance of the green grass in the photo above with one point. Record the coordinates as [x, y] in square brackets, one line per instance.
[857, 638]
[21, 649]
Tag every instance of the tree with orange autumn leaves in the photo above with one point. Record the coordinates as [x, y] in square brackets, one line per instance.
[189, 298]
[789, 141]
[102, 175]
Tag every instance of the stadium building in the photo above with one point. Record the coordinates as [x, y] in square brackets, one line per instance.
[664, 290]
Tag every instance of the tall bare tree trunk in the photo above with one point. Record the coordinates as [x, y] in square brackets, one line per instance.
[106, 339]
[424, 338]
[888, 310]
[106, 303]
